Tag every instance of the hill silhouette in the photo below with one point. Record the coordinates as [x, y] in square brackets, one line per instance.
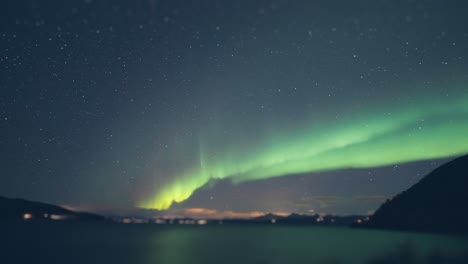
[437, 203]
[20, 209]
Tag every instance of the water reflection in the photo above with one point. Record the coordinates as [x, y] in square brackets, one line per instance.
[177, 244]
[291, 244]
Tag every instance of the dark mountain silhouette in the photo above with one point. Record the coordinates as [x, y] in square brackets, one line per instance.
[268, 217]
[437, 203]
[19, 209]
[295, 216]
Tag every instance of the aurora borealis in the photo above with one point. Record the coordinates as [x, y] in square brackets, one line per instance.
[409, 134]
[242, 107]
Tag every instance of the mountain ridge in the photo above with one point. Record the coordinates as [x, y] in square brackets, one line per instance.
[17, 209]
[434, 204]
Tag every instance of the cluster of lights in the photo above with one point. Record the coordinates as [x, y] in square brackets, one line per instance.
[360, 221]
[29, 216]
[163, 221]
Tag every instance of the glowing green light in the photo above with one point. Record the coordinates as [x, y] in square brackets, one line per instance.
[410, 133]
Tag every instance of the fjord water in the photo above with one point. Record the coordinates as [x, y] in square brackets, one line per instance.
[175, 244]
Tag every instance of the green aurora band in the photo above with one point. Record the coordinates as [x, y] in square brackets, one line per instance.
[427, 130]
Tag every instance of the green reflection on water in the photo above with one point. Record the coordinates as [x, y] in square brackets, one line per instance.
[288, 244]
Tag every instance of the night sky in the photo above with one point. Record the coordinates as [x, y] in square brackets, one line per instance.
[229, 108]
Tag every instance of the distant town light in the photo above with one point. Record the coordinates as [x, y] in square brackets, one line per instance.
[58, 217]
[160, 221]
[27, 216]
[202, 222]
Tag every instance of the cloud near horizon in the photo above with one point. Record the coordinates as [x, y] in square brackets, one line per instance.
[192, 212]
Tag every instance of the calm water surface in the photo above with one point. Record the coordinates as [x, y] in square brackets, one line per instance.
[87, 243]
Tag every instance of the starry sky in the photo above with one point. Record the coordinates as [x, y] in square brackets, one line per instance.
[229, 108]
